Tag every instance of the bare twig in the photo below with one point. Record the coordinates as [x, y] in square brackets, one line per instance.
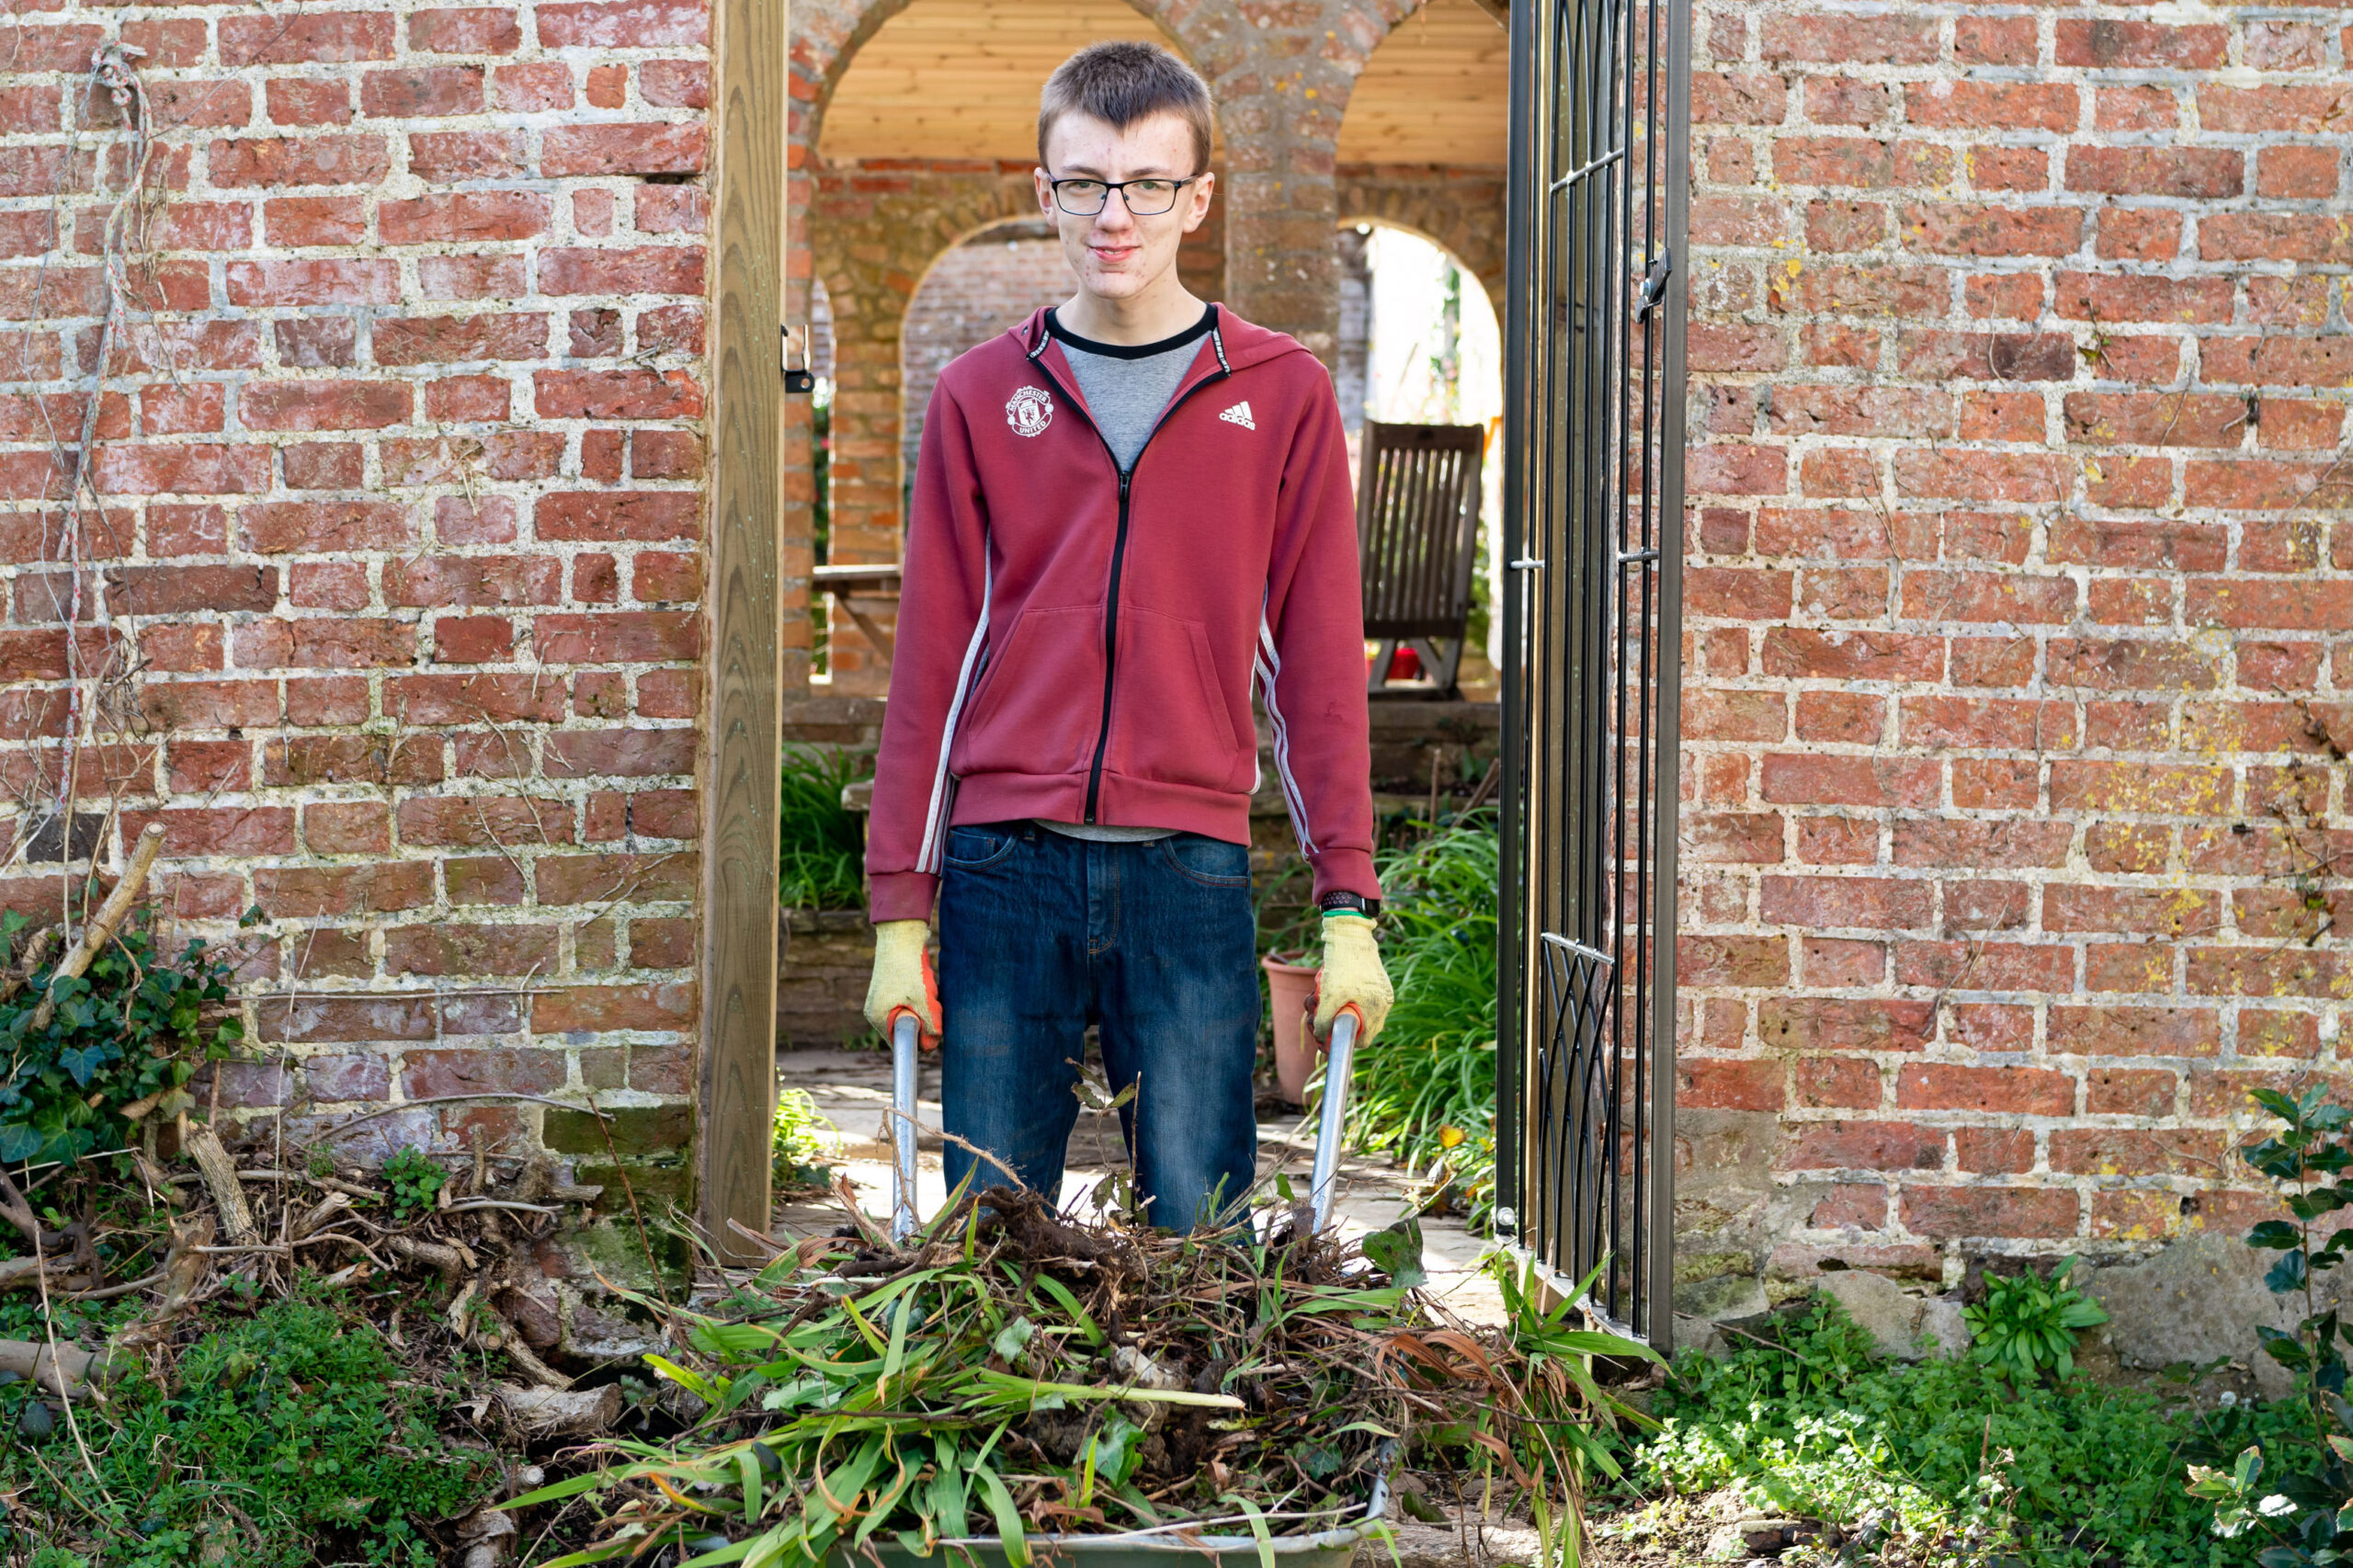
[220, 1179]
[102, 926]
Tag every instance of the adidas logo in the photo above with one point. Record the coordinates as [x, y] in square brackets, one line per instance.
[1240, 415]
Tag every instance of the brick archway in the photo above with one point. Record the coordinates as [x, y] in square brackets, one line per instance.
[876, 232]
[1462, 212]
[1282, 90]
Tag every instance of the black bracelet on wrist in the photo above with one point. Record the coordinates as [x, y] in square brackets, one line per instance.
[1337, 902]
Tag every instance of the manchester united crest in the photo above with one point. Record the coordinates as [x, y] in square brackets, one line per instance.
[1029, 411]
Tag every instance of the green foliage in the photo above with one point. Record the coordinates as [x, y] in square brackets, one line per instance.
[820, 845]
[135, 1027]
[415, 1179]
[1939, 1461]
[800, 1145]
[2306, 1509]
[1425, 1091]
[289, 1439]
[2027, 1325]
[987, 1386]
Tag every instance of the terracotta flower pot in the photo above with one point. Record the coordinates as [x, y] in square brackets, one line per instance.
[1289, 985]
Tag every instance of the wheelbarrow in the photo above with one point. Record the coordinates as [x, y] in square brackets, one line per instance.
[1168, 1545]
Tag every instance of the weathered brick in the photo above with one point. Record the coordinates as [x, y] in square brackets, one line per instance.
[1710, 1083]
[428, 340]
[1810, 1025]
[654, 149]
[2209, 172]
[2014, 1210]
[617, 395]
[421, 92]
[618, 515]
[276, 162]
[2110, 43]
[321, 282]
[471, 217]
[484, 30]
[628, 24]
[326, 404]
[647, 269]
[447, 155]
[449, 949]
[2009, 1090]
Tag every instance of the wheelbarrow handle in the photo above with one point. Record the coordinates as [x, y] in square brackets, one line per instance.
[1333, 1114]
[902, 1127]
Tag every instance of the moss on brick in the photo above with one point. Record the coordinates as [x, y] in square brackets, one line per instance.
[633, 1130]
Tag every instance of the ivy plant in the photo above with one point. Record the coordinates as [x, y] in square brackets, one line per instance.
[134, 1028]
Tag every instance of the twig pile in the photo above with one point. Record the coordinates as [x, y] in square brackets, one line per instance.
[1014, 1373]
[237, 1223]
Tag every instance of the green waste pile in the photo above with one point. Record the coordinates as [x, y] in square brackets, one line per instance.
[1012, 1373]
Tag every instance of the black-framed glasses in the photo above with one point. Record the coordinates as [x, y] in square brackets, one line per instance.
[1144, 198]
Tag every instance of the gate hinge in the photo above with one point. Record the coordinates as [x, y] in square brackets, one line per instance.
[1655, 284]
[797, 380]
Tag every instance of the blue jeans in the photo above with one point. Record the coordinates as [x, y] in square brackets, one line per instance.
[1041, 935]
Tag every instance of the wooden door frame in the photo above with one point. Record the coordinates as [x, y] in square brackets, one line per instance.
[743, 717]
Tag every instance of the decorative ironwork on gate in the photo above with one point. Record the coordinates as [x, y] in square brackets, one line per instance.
[1593, 533]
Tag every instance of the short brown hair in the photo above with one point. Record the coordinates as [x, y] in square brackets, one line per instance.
[1121, 82]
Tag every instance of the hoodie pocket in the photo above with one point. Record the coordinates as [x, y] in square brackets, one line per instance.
[1169, 723]
[1039, 703]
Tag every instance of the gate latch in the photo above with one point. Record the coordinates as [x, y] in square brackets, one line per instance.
[797, 381]
[1655, 284]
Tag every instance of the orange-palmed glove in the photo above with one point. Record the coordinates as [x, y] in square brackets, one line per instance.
[1352, 976]
[902, 980]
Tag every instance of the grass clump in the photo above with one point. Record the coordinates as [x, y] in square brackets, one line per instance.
[820, 845]
[800, 1150]
[287, 1438]
[1939, 1461]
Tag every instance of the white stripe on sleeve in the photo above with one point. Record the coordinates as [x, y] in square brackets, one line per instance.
[943, 788]
[1270, 667]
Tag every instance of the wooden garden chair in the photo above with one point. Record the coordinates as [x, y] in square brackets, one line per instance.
[1417, 531]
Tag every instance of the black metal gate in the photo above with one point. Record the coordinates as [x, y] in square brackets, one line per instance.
[1593, 509]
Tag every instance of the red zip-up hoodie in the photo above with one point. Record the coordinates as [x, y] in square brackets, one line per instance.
[1081, 644]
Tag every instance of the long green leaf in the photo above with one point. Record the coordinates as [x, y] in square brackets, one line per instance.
[1068, 1304]
[1008, 1517]
[885, 1501]
[555, 1491]
[1032, 1388]
[1258, 1527]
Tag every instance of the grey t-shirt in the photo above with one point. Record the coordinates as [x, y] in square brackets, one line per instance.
[1127, 389]
[1126, 386]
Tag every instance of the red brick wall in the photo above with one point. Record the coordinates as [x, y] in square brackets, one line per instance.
[2018, 609]
[402, 512]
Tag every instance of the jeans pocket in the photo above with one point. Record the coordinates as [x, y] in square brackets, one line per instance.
[1211, 862]
[970, 847]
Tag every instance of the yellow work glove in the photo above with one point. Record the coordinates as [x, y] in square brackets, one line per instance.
[902, 980]
[1351, 977]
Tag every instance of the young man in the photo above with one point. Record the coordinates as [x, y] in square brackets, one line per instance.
[1129, 512]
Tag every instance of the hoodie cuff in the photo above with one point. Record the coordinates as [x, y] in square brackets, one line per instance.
[901, 895]
[1345, 870]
